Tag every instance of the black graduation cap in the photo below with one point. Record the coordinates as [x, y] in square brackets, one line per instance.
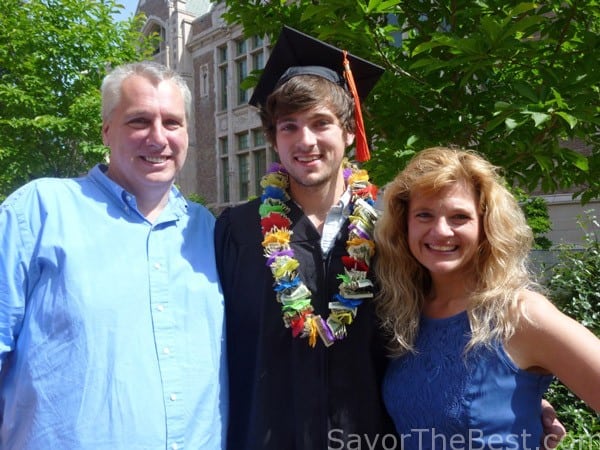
[296, 53]
[305, 55]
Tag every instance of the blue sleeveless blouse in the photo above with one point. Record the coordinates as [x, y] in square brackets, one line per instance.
[441, 399]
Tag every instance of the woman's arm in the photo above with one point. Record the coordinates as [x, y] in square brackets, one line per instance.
[550, 341]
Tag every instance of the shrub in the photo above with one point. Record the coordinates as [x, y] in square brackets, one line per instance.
[573, 287]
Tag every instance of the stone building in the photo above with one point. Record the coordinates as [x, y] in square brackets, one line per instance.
[228, 153]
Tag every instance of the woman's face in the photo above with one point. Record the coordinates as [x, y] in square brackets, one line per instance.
[444, 230]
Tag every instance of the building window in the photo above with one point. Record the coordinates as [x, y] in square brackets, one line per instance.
[203, 81]
[223, 88]
[223, 152]
[223, 146]
[225, 179]
[260, 168]
[258, 60]
[249, 56]
[242, 73]
[258, 54]
[246, 158]
[258, 138]
[257, 42]
[244, 176]
[240, 47]
[241, 65]
[242, 141]
[157, 30]
[223, 74]
[222, 51]
[243, 145]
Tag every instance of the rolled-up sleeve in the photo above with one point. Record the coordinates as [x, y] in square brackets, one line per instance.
[15, 244]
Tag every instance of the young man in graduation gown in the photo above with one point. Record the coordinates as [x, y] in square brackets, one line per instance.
[297, 379]
[304, 352]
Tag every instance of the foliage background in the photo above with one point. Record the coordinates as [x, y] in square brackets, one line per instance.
[53, 56]
[573, 286]
[518, 81]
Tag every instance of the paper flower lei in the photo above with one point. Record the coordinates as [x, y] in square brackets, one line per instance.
[293, 295]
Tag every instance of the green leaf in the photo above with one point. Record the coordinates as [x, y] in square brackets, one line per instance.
[522, 8]
[577, 159]
[526, 91]
[558, 99]
[544, 161]
[426, 46]
[571, 120]
[502, 106]
[381, 6]
[510, 123]
[538, 117]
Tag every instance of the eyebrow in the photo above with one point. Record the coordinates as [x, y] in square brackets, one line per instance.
[312, 116]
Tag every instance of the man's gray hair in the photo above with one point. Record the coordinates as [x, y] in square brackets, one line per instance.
[111, 85]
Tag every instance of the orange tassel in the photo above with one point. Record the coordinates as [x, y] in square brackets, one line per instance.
[362, 147]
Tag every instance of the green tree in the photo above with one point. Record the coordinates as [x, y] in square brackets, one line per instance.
[516, 81]
[53, 55]
[573, 286]
[536, 212]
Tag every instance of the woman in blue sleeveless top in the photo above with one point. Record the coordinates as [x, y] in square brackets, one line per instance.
[475, 345]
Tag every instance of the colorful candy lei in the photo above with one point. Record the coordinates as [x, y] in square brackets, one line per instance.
[293, 295]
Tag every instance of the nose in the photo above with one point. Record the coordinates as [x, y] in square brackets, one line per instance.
[157, 137]
[307, 137]
[441, 227]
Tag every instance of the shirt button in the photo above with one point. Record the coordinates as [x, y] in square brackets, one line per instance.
[173, 397]
[160, 308]
[174, 446]
[166, 350]
[157, 266]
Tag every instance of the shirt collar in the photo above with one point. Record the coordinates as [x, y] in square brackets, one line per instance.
[176, 207]
[344, 201]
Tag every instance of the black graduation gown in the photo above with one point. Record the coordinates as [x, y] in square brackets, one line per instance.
[285, 395]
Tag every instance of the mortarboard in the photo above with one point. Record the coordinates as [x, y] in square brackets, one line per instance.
[296, 53]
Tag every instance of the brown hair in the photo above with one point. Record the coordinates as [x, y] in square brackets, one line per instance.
[500, 264]
[304, 92]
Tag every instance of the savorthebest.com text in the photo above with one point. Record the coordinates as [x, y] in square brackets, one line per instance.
[429, 438]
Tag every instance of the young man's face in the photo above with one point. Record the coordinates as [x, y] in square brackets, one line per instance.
[147, 135]
[311, 145]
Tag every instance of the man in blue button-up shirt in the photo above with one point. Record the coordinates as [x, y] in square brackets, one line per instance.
[111, 313]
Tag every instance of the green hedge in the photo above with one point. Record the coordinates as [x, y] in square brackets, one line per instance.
[574, 286]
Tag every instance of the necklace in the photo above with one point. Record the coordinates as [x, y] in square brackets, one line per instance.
[291, 292]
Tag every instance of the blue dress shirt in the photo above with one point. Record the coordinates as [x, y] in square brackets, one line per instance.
[111, 327]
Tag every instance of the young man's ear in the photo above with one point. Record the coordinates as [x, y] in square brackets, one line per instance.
[349, 139]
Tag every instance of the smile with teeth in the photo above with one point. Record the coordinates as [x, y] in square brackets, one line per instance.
[155, 159]
[307, 158]
[442, 248]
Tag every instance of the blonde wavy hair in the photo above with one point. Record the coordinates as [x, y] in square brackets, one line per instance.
[500, 265]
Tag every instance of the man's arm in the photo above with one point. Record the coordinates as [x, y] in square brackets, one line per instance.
[13, 277]
[554, 431]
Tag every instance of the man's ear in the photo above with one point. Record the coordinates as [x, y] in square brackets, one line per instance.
[349, 139]
[105, 127]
